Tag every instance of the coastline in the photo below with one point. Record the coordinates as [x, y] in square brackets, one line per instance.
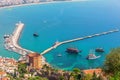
[40, 3]
[15, 40]
[33, 4]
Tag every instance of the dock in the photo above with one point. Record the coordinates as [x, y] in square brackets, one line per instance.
[77, 39]
[11, 42]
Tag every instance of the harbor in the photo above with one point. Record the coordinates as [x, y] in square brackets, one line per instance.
[11, 42]
[62, 39]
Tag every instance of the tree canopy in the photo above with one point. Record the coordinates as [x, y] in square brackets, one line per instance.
[112, 62]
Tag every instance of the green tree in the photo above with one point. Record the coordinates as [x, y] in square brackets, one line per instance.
[76, 70]
[87, 77]
[61, 78]
[76, 73]
[94, 77]
[112, 62]
[37, 78]
[22, 69]
[115, 76]
[11, 77]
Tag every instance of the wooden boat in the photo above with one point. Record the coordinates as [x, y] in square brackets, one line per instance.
[73, 50]
[99, 50]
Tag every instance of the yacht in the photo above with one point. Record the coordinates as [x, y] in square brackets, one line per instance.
[91, 56]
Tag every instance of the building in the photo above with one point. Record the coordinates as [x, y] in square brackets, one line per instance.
[3, 76]
[92, 71]
[8, 64]
[35, 60]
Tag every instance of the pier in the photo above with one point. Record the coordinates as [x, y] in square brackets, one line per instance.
[11, 41]
[77, 39]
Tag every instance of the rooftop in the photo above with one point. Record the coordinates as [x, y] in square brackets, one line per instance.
[91, 71]
[2, 73]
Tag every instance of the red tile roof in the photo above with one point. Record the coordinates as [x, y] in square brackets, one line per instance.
[2, 73]
[5, 78]
[91, 71]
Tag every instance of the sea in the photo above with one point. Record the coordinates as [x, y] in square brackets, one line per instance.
[61, 21]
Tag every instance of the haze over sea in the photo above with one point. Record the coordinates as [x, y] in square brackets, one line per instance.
[64, 21]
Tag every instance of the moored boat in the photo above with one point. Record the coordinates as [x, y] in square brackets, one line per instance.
[35, 34]
[99, 50]
[92, 56]
[6, 36]
[72, 50]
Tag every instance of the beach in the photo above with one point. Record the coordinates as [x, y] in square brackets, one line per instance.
[40, 3]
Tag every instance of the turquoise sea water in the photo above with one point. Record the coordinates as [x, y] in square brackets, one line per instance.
[64, 21]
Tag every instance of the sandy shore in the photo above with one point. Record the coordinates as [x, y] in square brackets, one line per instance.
[29, 4]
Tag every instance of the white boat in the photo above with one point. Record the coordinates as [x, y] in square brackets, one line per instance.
[6, 36]
[92, 56]
[59, 55]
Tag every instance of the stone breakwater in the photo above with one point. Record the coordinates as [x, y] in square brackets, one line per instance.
[77, 39]
[11, 41]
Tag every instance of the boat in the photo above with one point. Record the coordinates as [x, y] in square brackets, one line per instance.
[99, 50]
[59, 55]
[92, 56]
[35, 34]
[73, 50]
[6, 36]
